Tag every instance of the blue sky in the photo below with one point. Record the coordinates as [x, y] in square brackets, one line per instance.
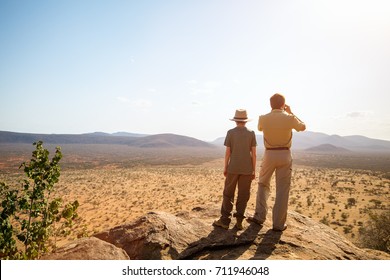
[185, 66]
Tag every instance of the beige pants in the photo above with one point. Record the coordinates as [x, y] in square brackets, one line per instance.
[280, 162]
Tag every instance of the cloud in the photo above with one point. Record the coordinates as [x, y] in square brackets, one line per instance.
[207, 88]
[136, 103]
[212, 84]
[201, 91]
[123, 99]
[192, 82]
[141, 103]
[358, 115]
[196, 103]
[152, 90]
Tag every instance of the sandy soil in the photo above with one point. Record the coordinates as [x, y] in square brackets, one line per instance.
[112, 195]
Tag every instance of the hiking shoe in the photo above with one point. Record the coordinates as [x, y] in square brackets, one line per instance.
[238, 225]
[254, 220]
[219, 223]
[283, 229]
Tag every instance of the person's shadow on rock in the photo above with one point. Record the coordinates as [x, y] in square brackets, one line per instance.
[267, 245]
[244, 241]
[221, 239]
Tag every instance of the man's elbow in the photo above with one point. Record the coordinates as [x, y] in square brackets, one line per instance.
[301, 127]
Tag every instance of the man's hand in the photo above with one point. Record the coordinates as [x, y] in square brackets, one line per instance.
[287, 109]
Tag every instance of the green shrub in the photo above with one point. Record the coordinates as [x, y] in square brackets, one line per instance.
[376, 232]
[29, 216]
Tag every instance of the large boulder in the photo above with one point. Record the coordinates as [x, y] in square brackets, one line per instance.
[89, 248]
[159, 235]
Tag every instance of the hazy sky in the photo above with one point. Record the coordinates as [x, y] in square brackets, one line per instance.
[185, 66]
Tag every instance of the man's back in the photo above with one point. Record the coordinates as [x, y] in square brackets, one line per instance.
[277, 128]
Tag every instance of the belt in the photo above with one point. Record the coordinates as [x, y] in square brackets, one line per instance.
[278, 148]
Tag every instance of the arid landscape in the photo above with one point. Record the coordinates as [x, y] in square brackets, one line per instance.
[115, 184]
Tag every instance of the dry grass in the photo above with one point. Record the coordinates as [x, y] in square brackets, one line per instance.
[112, 194]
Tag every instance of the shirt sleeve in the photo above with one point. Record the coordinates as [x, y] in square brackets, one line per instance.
[227, 142]
[260, 124]
[254, 142]
[298, 125]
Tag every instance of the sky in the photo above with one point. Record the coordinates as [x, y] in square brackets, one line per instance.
[184, 67]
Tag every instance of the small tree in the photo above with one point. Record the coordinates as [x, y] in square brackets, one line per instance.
[351, 201]
[376, 233]
[29, 215]
[325, 220]
[344, 216]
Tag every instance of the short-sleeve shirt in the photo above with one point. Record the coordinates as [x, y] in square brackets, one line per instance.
[277, 128]
[240, 140]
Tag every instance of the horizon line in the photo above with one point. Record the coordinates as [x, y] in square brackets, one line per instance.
[147, 134]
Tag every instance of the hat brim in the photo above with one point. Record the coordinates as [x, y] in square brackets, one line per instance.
[240, 120]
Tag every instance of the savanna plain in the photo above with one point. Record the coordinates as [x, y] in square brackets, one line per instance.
[116, 184]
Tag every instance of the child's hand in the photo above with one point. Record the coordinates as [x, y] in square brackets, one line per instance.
[225, 172]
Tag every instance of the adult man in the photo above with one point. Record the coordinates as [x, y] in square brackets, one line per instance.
[240, 166]
[277, 133]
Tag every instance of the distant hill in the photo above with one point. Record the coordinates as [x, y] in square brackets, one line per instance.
[308, 139]
[88, 138]
[327, 148]
[301, 140]
[128, 134]
[136, 140]
[168, 140]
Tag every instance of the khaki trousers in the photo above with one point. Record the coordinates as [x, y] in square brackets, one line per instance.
[280, 162]
[244, 184]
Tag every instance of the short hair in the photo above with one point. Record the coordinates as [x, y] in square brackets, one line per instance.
[277, 101]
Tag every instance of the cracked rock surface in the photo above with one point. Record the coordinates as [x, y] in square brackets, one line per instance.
[190, 235]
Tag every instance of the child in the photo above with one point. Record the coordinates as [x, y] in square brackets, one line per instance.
[240, 167]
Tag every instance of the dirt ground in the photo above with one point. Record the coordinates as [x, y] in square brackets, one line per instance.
[111, 194]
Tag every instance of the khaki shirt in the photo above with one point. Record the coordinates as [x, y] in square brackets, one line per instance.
[277, 128]
[240, 140]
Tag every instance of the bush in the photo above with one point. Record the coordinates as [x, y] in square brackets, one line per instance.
[325, 220]
[29, 216]
[376, 233]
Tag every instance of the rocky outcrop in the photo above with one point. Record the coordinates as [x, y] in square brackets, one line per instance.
[90, 248]
[157, 235]
[160, 235]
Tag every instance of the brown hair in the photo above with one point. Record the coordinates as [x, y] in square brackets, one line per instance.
[277, 101]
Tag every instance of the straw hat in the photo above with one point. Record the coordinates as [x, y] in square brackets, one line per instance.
[241, 116]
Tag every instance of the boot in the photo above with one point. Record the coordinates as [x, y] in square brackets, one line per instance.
[221, 224]
[238, 224]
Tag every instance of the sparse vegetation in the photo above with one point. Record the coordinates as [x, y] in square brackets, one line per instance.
[123, 183]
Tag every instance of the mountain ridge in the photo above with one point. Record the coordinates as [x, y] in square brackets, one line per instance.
[166, 140]
[307, 140]
[326, 148]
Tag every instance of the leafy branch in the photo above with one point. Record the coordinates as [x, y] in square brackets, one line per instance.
[28, 215]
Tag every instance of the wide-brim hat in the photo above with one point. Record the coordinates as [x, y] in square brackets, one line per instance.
[240, 116]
